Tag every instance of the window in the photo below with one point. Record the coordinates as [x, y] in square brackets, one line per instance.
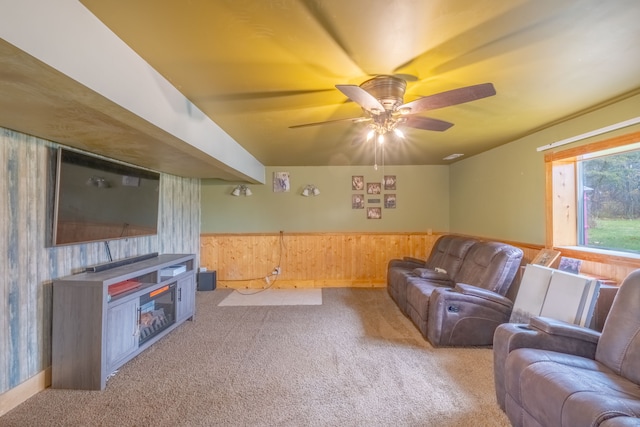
[593, 198]
[609, 201]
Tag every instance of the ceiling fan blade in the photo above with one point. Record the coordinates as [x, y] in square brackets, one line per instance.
[449, 98]
[353, 120]
[362, 98]
[426, 123]
[251, 96]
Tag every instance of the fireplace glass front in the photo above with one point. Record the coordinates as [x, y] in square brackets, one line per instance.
[157, 312]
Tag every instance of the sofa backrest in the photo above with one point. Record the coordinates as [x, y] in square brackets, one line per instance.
[619, 344]
[490, 265]
[448, 253]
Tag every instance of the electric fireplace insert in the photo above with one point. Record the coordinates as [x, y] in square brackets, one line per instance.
[157, 312]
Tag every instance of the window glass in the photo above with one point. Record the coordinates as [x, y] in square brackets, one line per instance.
[608, 201]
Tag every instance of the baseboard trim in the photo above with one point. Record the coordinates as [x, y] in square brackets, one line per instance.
[24, 391]
[300, 284]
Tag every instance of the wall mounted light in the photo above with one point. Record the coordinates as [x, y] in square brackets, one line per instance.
[98, 181]
[310, 190]
[241, 190]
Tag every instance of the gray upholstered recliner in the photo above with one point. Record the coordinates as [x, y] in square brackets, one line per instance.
[550, 373]
[464, 305]
[443, 263]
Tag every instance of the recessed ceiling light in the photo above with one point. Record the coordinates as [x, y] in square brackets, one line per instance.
[453, 156]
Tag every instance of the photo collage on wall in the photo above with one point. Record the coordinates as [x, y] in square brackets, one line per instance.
[370, 195]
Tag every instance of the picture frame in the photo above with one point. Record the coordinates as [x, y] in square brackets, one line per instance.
[389, 182]
[281, 182]
[390, 201]
[374, 188]
[357, 182]
[374, 213]
[570, 265]
[357, 201]
[546, 257]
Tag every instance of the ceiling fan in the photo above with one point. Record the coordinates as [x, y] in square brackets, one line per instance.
[381, 99]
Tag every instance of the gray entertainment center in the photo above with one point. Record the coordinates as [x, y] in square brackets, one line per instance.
[104, 318]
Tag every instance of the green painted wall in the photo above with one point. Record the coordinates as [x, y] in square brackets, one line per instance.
[498, 194]
[422, 194]
[501, 193]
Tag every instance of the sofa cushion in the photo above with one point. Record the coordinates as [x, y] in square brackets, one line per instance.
[397, 286]
[417, 306]
[433, 276]
[448, 253]
[560, 389]
[490, 265]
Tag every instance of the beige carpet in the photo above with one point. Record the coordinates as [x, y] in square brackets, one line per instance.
[352, 361]
[254, 298]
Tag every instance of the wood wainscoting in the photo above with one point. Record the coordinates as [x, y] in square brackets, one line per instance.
[317, 260]
[308, 260]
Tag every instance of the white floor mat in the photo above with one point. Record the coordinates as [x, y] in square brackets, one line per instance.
[273, 297]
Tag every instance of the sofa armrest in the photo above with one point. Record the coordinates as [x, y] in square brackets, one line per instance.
[620, 421]
[429, 274]
[563, 329]
[541, 333]
[406, 263]
[563, 338]
[465, 316]
[414, 260]
[486, 294]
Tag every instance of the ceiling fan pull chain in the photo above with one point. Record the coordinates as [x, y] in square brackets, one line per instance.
[375, 155]
[381, 181]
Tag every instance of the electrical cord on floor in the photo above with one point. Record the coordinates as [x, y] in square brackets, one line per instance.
[270, 281]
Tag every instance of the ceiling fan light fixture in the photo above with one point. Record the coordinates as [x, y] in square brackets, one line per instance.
[370, 134]
[389, 90]
[382, 101]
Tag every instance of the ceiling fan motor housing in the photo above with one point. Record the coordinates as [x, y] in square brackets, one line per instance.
[389, 90]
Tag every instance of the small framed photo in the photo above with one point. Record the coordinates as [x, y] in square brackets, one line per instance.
[357, 201]
[281, 182]
[546, 257]
[357, 182]
[374, 213]
[390, 201]
[389, 182]
[570, 265]
[374, 188]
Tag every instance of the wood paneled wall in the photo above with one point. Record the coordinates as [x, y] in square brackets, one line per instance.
[308, 260]
[28, 265]
[312, 260]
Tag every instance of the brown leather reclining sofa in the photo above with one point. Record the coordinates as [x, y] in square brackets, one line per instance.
[457, 296]
[551, 373]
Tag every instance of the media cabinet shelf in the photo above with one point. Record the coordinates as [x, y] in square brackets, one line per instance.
[95, 333]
